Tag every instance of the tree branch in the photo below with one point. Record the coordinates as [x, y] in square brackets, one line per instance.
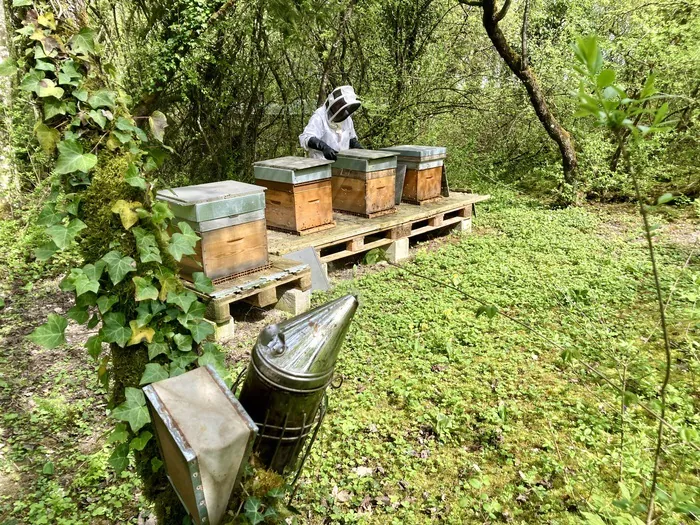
[473, 3]
[503, 12]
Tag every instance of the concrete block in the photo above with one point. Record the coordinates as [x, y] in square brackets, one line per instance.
[398, 250]
[294, 301]
[464, 226]
[223, 331]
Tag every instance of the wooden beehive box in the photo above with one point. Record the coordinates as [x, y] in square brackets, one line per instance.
[364, 182]
[229, 217]
[424, 166]
[299, 198]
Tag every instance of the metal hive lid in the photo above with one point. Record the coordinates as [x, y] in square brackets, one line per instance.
[293, 170]
[210, 192]
[300, 353]
[420, 152]
[365, 160]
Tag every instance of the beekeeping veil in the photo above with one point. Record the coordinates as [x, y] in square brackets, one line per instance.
[341, 103]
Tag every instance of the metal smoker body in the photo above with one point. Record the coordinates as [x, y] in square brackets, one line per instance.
[291, 366]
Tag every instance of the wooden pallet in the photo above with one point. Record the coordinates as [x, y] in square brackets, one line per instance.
[353, 235]
[260, 288]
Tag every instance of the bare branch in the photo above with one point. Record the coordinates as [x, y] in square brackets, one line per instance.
[503, 12]
[474, 3]
[523, 36]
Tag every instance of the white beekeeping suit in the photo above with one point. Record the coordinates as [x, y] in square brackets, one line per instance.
[330, 128]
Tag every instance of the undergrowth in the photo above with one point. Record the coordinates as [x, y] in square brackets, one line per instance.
[443, 416]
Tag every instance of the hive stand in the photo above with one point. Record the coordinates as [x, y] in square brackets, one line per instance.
[285, 284]
[355, 235]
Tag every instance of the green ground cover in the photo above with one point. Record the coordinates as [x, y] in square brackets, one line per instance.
[444, 416]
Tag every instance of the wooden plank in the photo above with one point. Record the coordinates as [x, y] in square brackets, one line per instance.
[356, 244]
[347, 253]
[265, 297]
[298, 207]
[349, 226]
[436, 221]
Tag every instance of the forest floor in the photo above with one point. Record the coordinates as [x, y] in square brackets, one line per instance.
[444, 416]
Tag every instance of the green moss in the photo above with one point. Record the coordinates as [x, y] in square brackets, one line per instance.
[103, 226]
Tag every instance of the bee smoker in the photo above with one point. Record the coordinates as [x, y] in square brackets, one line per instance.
[284, 390]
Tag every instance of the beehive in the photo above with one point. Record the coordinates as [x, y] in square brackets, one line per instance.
[229, 217]
[424, 165]
[299, 198]
[364, 182]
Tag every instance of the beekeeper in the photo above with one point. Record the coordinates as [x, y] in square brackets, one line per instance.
[330, 128]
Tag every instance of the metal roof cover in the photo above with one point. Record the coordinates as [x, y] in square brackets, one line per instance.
[215, 200]
[293, 170]
[205, 437]
[365, 160]
[419, 152]
[300, 353]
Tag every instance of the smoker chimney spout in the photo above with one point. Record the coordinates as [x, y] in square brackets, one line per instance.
[291, 366]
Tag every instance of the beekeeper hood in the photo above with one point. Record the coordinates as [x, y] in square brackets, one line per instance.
[341, 103]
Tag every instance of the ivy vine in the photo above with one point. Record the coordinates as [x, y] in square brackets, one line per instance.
[128, 291]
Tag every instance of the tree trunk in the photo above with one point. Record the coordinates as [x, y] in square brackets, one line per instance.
[519, 67]
[9, 183]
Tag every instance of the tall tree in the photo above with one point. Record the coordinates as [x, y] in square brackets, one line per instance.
[519, 65]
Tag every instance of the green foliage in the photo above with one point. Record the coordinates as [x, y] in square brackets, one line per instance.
[102, 202]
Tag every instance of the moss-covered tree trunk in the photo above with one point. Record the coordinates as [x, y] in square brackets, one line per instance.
[8, 175]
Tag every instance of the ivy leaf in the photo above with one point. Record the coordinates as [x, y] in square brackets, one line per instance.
[94, 346]
[179, 364]
[63, 235]
[51, 334]
[84, 284]
[45, 65]
[105, 303]
[144, 289]
[102, 99]
[139, 442]
[118, 266]
[47, 88]
[73, 159]
[215, 358]
[113, 329]
[47, 137]
[79, 314]
[49, 215]
[30, 81]
[81, 94]
[133, 410]
[183, 243]
[98, 117]
[144, 314]
[200, 330]
[253, 511]
[133, 178]
[158, 123]
[118, 435]
[194, 313]
[202, 282]
[94, 271]
[119, 460]
[183, 342]
[156, 463]
[140, 334]
[53, 107]
[161, 212]
[45, 251]
[84, 42]
[147, 246]
[126, 212]
[8, 67]
[155, 349]
[183, 300]
[153, 373]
